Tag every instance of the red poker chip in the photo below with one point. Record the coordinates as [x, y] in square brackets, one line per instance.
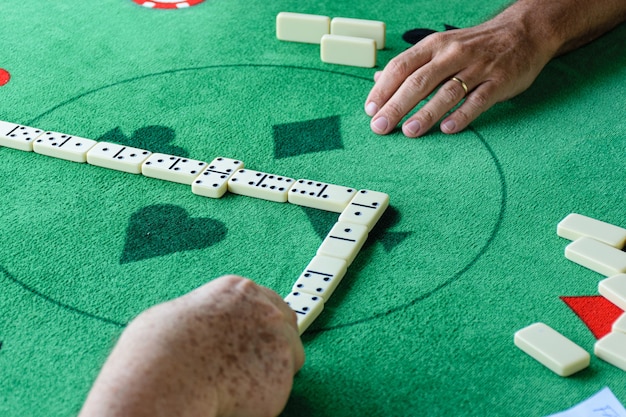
[165, 4]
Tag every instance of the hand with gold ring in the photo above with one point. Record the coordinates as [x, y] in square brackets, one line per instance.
[467, 71]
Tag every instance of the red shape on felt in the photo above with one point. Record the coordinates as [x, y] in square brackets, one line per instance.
[595, 311]
[4, 76]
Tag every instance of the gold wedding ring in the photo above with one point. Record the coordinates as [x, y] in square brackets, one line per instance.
[460, 81]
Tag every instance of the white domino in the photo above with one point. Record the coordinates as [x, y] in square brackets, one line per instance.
[301, 27]
[612, 349]
[260, 185]
[344, 241]
[306, 306]
[620, 324]
[552, 349]
[321, 276]
[360, 28]
[213, 181]
[172, 168]
[597, 256]
[366, 208]
[614, 290]
[348, 50]
[117, 157]
[17, 136]
[320, 195]
[60, 145]
[576, 225]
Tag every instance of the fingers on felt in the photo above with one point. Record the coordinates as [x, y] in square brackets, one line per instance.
[391, 78]
[477, 102]
[449, 95]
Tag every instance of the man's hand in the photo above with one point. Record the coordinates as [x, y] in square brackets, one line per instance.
[228, 348]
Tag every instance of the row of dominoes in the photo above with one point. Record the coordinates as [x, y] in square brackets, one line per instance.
[343, 41]
[596, 245]
[360, 210]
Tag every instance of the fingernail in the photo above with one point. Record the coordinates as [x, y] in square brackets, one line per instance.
[371, 108]
[412, 128]
[380, 125]
[449, 126]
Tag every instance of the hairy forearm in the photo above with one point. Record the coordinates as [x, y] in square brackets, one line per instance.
[560, 26]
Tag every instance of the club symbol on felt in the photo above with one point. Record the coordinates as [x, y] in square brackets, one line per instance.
[156, 138]
[164, 229]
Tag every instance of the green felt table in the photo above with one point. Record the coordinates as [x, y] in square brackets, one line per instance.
[423, 322]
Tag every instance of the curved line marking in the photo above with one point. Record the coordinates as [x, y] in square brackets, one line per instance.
[454, 278]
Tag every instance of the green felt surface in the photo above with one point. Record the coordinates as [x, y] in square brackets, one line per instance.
[423, 322]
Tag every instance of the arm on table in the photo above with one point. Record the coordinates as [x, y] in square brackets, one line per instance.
[228, 348]
[495, 60]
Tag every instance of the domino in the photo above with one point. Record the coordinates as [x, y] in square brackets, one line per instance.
[597, 256]
[260, 185]
[320, 195]
[18, 137]
[576, 225]
[614, 290]
[620, 324]
[172, 168]
[213, 181]
[344, 241]
[552, 349]
[348, 50]
[307, 308]
[300, 27]
[359, 28]
[321, 276]
[366, 208]
[612, 349]
[117, 157]
[60, 145]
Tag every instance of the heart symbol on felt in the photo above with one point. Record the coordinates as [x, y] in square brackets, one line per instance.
[165, 228]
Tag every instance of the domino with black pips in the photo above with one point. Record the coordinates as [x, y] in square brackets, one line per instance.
[172, 168]
[321, 276]
[260, 185]
[117, 157]
[366, 208]
[213, 181]
[344, 241]
[320, 195]
[306, 306]
[63, 146]
[17, 136]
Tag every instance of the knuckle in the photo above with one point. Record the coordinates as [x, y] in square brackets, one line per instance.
[427, 116]
[417, 83]
[395, 110]
[478, 100]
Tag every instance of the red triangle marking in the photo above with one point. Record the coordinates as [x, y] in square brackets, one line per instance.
[595, 311]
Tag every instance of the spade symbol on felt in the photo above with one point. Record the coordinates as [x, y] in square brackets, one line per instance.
[163, 229]
[413, 36]
[152, 138]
